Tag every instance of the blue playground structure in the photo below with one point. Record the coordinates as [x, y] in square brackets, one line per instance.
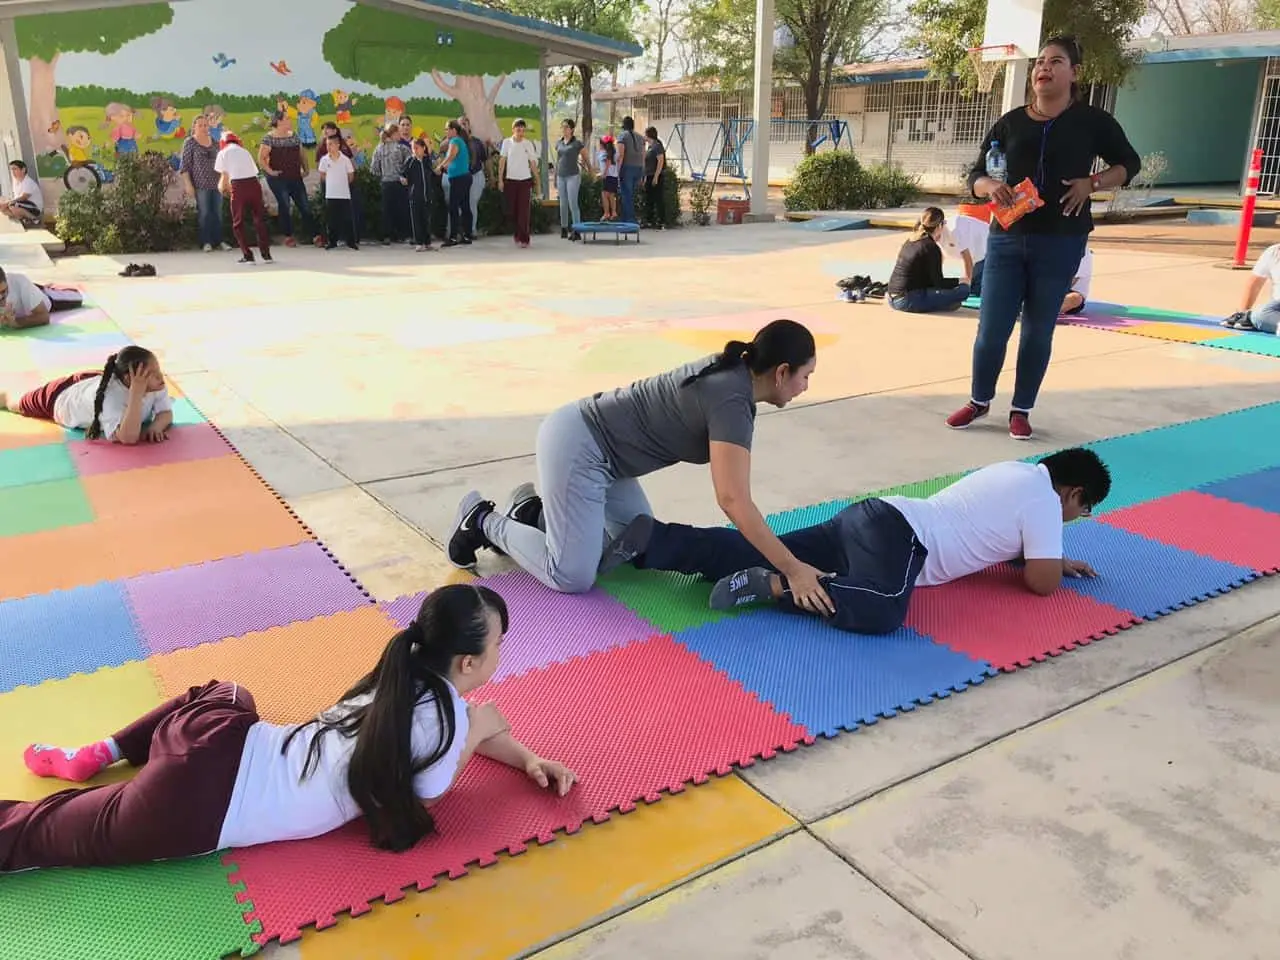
[710, 149]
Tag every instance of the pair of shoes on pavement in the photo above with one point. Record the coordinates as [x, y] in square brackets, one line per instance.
[1241, 320]
[468, 537]
[138, 270]
[1019, 421]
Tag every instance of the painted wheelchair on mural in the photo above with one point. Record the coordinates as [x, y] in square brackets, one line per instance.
[85, 175]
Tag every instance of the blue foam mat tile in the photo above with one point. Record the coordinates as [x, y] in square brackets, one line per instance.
[827, 679]
[54, 635]
[1263, 344]
[1260, 489]
[1146, 577]
[787, 521]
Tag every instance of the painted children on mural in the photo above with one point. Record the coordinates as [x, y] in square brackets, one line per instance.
[213, 774]
[123, 133]
[393, 107]
[79, 146]
[168, 120]
[216, 115]
[126, 402]
[304, 125]
[343, 104]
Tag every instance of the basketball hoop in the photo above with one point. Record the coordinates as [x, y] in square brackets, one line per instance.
[987, 62]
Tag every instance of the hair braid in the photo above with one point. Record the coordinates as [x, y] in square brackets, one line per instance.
[108, 371]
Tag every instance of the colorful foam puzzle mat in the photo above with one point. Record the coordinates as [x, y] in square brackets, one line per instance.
[136, 573]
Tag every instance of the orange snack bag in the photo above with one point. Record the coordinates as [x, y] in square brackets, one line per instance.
[1026, 199]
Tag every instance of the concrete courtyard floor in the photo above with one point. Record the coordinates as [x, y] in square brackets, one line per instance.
[1117, 802]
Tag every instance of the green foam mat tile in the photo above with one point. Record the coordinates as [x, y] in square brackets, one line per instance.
[70, 327]
[1157, 313]
[1167, 460]
[920, 488]
[670, 601]
[1262, 344]
[185, 413]
[43, 506]
[38, 464]
[176, 910]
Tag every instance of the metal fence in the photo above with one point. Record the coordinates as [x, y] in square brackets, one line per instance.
[1266, 132]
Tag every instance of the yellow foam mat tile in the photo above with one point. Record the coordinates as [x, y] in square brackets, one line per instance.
[497, 912]
[1181, 332]
[293, 672]
[69, 713]
[18, 431]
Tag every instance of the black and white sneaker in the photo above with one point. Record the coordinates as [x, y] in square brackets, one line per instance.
[468, 535]
[525, 506]
[631, 543]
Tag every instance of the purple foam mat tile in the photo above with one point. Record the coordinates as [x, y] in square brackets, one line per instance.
[237, 595]
[546, 627]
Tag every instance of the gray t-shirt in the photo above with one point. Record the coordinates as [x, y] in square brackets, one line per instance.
[567, 155]
[654, 423]
[634, 149]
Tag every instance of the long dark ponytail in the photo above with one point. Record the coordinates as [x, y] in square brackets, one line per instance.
[452, 621]
[776, 343]
[117, 365]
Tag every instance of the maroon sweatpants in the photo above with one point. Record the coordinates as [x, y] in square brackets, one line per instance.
[189, 751]
[38, 403]
[519, 194]
[246, 197]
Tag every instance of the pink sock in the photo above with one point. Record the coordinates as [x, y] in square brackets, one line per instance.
[77, 765]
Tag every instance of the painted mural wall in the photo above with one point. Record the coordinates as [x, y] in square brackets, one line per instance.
[112, 81]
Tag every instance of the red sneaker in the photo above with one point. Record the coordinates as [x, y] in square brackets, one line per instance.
[1019, 425]
[966, 415]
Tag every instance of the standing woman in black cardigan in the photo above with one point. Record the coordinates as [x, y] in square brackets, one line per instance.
[1029, 267]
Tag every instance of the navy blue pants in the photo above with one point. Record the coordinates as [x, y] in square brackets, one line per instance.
[869, 546]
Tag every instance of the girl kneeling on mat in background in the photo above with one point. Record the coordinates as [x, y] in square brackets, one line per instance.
[213, 775]
[127, 401]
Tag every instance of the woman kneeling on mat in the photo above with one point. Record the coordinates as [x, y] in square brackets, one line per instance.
[213, 775]
[590, 452]
[125, 402]
[917, 284]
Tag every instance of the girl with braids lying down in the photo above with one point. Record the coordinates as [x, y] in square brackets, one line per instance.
[126, 402]
[213, 775]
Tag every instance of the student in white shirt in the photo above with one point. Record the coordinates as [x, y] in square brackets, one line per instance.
[1073, 303]
[126, 402]
[1267, 317]
[966, 237]
[339, 174]
[518, 170]
[878, 550]
[22, 303]
[239, 181]
[27, 203]
[214, 775]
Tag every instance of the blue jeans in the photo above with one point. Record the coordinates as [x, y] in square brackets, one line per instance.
[931, 301]
[628, 179]
[1267, 318]
[1027, 273]
[869, 547]
[567, 189]
[209, 216]
[296, 191]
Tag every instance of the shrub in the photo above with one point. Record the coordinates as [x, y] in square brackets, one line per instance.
[701, 196]
[837, 181]
[132, 214]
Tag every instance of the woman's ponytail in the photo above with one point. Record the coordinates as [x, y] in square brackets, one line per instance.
[776, 343]
[736, 353]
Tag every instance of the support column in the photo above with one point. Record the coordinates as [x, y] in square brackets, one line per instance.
[1015, 84]
[17, 95]
[546, 121]
[762, 111]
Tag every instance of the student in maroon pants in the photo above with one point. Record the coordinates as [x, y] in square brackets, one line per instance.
[239, 173]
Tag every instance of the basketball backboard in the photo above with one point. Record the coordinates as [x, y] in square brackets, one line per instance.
[1015, 23]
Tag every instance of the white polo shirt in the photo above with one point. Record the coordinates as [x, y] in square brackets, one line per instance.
[24, 296]
[968, 233]
[337, 171]
[1084, 275]
[1268, 267]
[236, 162]
[74, 407]
[991, 516]
[31, 187]
[522, 158]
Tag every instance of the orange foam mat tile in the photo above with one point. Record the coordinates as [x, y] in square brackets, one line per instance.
[293, 672]
[190, 486]
[145, 542]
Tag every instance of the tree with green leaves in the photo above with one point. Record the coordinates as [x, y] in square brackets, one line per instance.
[823, 35]
[44, 37]
[943, 30]
[390, 50]
[614, 19]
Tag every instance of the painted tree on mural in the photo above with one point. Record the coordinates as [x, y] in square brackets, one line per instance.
[43, 38]
[388, 51]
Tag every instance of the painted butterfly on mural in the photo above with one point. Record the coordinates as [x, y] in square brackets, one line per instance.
[281, 68]
[223, 61]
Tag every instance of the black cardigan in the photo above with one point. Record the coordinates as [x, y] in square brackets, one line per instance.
[919, 267]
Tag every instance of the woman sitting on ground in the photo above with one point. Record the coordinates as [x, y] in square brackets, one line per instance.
[213, 775]
[917, 284]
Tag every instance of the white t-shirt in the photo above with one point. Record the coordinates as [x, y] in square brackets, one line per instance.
[270, 801]
[1084, 274]
[968, 233]
[74, 407]
[24, 296]
[31, 188]
[337, 186]
[991, 516]
[237, 162]
[1268, 267]
[521, 156]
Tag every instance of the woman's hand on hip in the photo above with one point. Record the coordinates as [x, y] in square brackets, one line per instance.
[807, 592]
[1077, 195]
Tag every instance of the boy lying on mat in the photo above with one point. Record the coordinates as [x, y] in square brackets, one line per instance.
[881, 548]
[125, 402]
[213, 775]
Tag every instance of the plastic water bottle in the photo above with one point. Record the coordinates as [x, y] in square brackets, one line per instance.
[996, 168]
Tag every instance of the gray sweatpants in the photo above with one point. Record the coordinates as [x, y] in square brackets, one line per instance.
[583, 507]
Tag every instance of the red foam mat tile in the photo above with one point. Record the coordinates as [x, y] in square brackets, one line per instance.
[1207, 525]
[630, 721]
[992, 616]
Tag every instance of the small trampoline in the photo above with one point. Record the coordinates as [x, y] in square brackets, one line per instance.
[620, 229]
